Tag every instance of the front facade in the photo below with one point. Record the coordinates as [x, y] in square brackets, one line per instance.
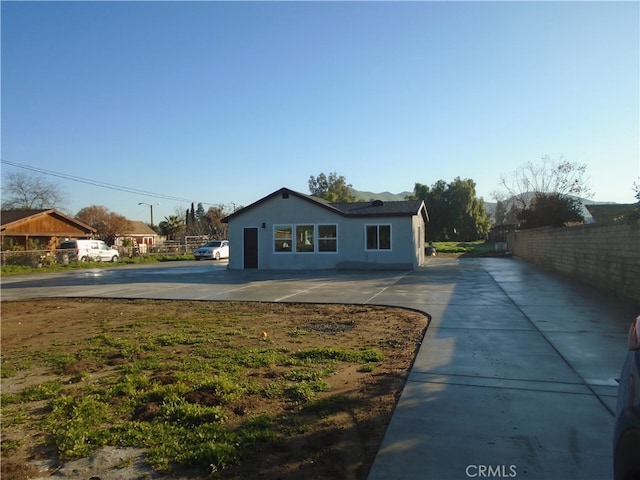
[40, 228]
[290, 230]
[142, 238]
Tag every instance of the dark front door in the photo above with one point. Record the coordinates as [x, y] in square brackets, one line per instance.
[250, 248]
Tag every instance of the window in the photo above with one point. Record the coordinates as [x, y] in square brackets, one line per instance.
[378, 237]
[283, 238]
[327, 238]
[304, 238]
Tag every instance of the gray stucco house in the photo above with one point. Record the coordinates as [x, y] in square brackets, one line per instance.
[291, 230]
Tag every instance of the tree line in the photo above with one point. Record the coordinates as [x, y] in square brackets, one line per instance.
[455, 212]
[534, 195]
[546, 193]
[192, 222]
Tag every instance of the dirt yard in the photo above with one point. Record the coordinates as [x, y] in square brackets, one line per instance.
[63, 342]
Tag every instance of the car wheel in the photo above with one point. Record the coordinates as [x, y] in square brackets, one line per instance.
[84, 259]
[114, 258]
[198, 258]
[217, 255]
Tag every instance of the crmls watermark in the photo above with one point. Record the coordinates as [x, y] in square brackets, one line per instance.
[491, 471]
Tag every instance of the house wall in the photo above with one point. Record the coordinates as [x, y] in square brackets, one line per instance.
[605, 256]
[45, 230]
[350, 253]
[418, 231]
[43, 225]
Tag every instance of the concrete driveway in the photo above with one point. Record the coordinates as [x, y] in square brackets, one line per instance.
[516, 377]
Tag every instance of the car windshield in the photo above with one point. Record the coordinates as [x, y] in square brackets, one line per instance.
[215, 243]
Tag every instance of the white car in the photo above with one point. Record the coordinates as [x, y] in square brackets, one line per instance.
[87, 250]
[214, 250]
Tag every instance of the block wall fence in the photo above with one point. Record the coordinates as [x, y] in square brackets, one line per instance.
[604, 256]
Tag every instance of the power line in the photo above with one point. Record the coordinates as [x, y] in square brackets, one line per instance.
[98, 183]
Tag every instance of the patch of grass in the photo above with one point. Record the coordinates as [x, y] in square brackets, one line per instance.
[297, 375]
[174, 405]
[297, 332]
[367, 367]
[41, 391]
[6, 270]
[468, 249]
[181, 412]
[190, 386]
[260, 427]
[58, 361]
[252, 358]
[7, 446]
[13, 412]
[75, 424]
[330, 405]
[305, 391]
[8, 371]
[344, 355]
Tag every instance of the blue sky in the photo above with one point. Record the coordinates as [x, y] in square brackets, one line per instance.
[220, 102]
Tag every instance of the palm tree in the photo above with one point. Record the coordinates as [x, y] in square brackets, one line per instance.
[171, 226]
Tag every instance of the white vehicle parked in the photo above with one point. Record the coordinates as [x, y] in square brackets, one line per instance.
[215, 250]
[85, 250]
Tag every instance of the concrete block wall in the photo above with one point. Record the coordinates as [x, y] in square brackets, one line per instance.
[604, 256]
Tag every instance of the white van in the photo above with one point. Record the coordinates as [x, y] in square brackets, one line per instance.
[85, 250]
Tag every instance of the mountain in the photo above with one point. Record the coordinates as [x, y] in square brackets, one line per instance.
[362, 195]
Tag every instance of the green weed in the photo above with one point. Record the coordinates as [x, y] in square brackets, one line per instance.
[367, 367]
[9, 445]
[41, 391]
[305, 391]
[473, 249]
[330, 405]
[297, 332]
[343, 355]
[180, 385]
[75, 423]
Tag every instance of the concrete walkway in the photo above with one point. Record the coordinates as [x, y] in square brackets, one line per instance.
[515, 378]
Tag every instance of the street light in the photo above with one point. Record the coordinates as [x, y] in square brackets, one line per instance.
[150, 205]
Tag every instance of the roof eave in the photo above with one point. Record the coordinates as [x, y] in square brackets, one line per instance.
[53, 212]
[308, 198]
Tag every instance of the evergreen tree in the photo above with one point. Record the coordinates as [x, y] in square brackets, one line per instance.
[550, 209]
[333, 188]
[455, 213]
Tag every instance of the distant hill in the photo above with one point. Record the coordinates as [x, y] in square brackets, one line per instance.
[362, 195]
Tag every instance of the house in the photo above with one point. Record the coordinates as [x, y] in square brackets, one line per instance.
[609, 213]
[141, 237]
[291, 230]
[40, 228]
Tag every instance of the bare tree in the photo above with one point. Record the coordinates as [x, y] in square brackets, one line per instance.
[23, 190]
[633, 216]
[558, 177]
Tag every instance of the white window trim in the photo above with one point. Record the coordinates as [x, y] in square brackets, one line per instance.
[273, 239]
[314, 230]
[378, 225]
[329, 252]
[316, 238]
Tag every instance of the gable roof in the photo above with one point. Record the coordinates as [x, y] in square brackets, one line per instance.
[609, 212]
[137, 227]
[377, 208]
[12, 219]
